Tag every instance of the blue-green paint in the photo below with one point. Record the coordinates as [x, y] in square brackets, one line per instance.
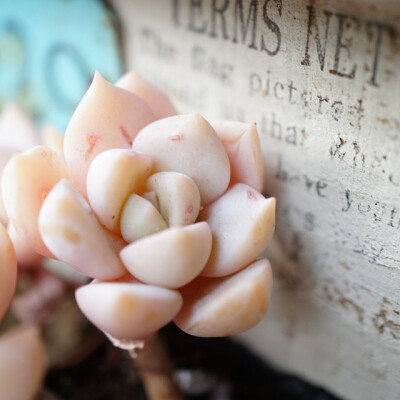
[49, 50]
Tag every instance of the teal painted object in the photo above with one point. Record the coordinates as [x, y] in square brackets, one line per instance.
[49, 50]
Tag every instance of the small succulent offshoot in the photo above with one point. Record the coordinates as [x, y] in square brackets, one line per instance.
[23, 357]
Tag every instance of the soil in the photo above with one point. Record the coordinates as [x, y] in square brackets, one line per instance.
[205, 369]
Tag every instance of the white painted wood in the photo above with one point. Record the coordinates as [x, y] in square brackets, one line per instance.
[332, 148]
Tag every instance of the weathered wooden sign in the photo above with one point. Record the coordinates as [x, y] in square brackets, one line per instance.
[322, 81]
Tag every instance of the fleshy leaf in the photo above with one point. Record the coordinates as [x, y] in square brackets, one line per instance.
[54, 139]
[226, 306]
[159, 103]
[242, 222]
[26, 256]
[242, 145]
[107, 117]
[170, 258]
[27, 179]
[72, 232]
[187, 144]
[112, 177]
[178, 197]
[17, 130]
[140, 218]
[128, 310]
[8, 271]
[23, 363]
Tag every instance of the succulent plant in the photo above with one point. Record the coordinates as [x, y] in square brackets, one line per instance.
[164, 211]
[23, 358]
[17, 133]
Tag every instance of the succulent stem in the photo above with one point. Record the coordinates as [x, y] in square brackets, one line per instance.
[153, 364]
[155, 369]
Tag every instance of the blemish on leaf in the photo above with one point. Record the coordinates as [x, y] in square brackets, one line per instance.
[251, 195]
[176, 138]
[91, 143]
[125, 134]
[65, 233]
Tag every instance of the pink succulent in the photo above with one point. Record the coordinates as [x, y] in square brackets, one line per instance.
[18, 133]
[165, 214]
[23, 363]
[23, 355]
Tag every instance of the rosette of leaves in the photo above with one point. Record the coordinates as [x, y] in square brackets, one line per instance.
[163, 211]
